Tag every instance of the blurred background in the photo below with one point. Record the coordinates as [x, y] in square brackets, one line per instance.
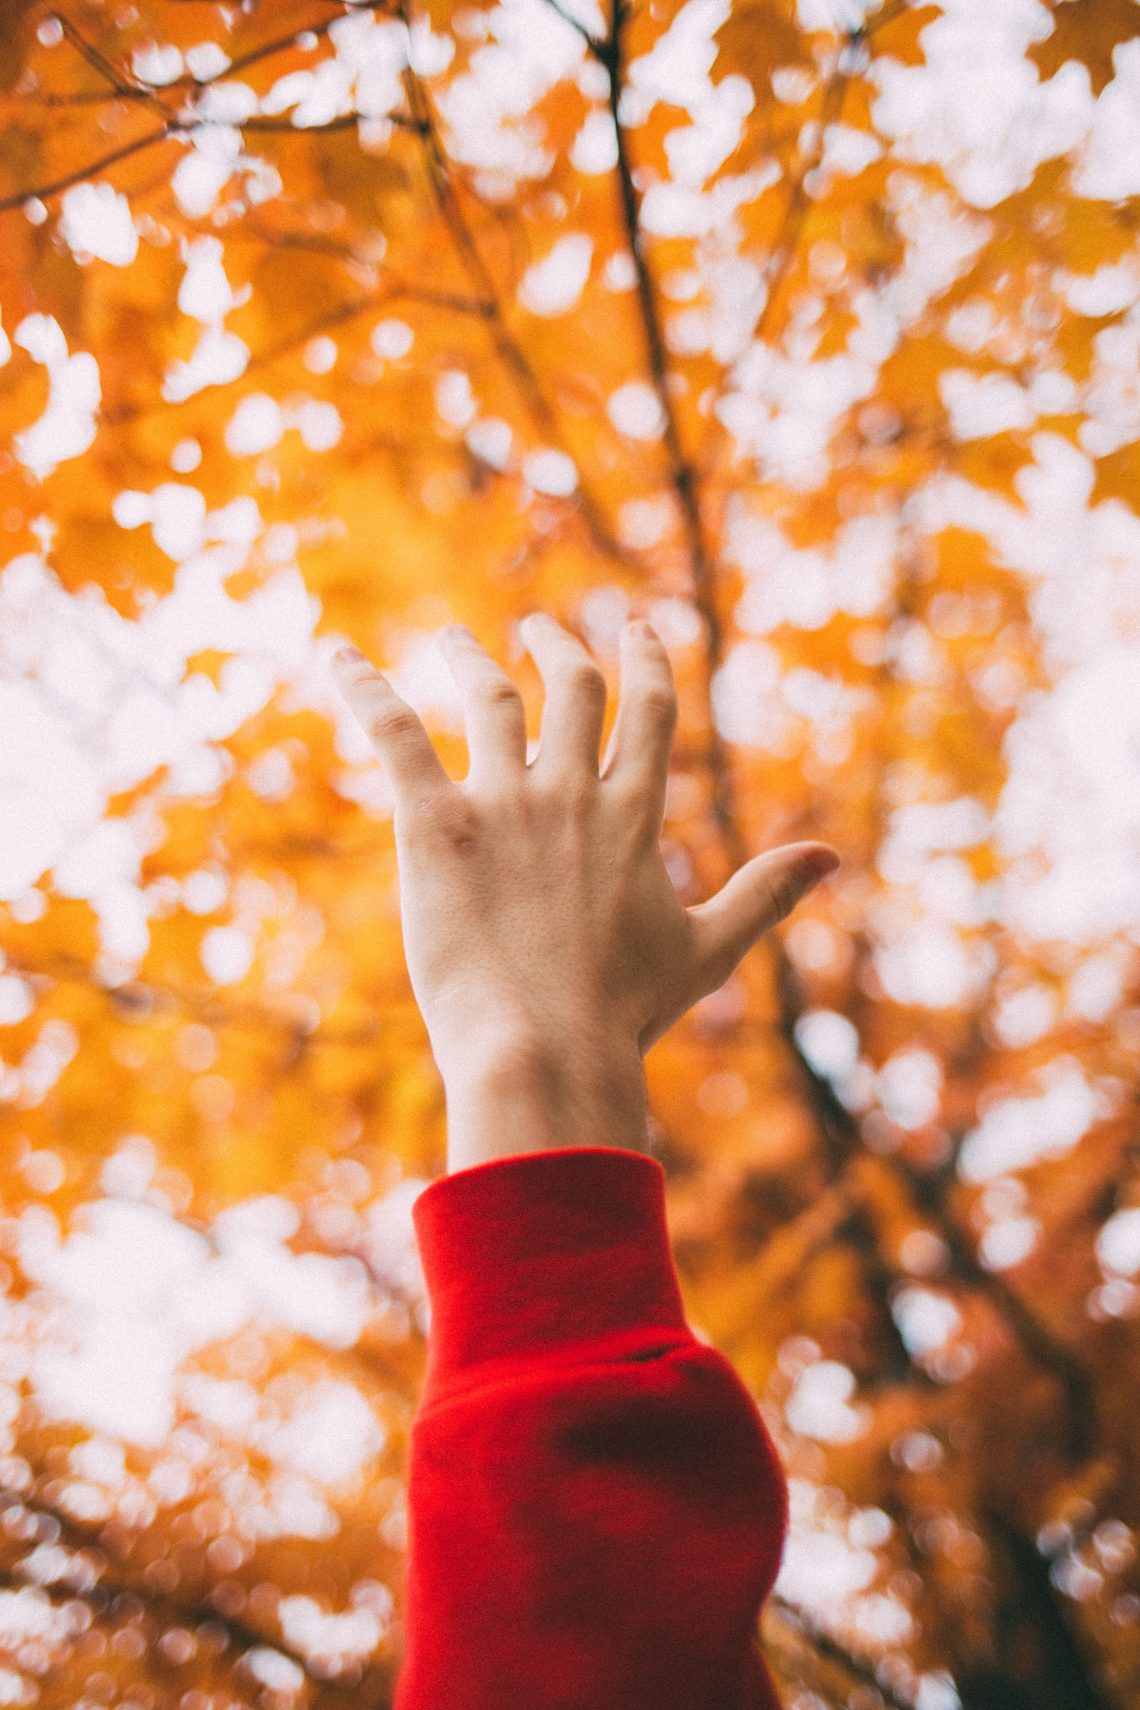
[808, 329]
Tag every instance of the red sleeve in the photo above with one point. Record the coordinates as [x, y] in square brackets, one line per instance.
[596, 1511]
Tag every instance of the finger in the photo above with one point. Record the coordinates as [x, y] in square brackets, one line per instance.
[575, 705]
[493, 712]
[752, 901]
[642, 739]
[391, 725]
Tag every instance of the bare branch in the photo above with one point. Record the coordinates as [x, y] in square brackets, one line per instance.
[41, 192]
[346, 121]
[597, 48]
[339, 315]
[267, 50]
[783, 251]
[1055, 1649]
[507, 346]
[682, 474]
[142, 997]
[830, 1650]
[837, 1126]
[140, 91]
[168, 1610]
[95, 59]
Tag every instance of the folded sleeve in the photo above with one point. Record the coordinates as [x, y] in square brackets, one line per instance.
[596, 1511]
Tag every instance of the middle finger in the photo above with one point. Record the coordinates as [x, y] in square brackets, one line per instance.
[493, 712]
[575, 706]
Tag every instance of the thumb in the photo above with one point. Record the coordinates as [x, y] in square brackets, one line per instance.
[751, 902]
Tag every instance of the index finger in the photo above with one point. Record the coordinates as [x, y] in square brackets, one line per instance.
[389, 723]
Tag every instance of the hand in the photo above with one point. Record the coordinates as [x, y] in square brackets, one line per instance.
[536, 905]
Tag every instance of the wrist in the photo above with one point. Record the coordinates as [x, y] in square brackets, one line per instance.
[528, 1094]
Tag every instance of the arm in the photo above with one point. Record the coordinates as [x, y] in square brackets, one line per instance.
[596, 1509]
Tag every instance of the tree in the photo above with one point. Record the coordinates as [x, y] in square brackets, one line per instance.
[810, 331]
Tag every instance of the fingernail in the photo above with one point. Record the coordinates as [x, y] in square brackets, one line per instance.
[348, 656]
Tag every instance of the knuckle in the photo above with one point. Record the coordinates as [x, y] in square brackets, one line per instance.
[633, 796]
[451, 819]
[563, 795]
[393, 723]
[586, 679]
[501, 804]
[782, 893]
[575, 810]
[504, 694]
[578, 794]
[659, 705]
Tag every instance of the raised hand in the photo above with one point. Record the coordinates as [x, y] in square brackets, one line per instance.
[540, 923]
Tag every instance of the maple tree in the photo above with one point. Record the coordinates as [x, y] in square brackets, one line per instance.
[810, 331]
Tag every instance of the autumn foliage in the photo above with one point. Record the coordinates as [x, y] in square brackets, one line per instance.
[810, 331]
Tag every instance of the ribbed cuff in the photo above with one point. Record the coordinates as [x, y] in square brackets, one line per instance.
[543, 1254]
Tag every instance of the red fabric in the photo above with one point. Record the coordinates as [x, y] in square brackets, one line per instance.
[596, 1509]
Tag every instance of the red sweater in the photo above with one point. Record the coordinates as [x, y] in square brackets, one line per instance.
[596, 1509]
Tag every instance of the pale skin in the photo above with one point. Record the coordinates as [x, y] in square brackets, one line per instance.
[546, 945]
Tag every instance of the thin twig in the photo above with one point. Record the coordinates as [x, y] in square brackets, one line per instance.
[108, 72]
[181, 128]
[597, 48]
[166, 1608]
[40, 192]
[682, 475]
[511, 353]
[143, 996]
[831, 1650]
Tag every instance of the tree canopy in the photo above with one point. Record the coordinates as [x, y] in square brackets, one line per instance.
[809, 329]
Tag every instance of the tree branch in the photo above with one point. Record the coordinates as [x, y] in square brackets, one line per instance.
[1061, 1678]
[838, 1128]
[140, 91]
[166, 133]
[787, 241]
[129, 88]
[836, 1125]
[832, 1651]
[188, 127]
[597, 48]
[167, 1609]
[509, 350]
[682, 475]
[337, 316]
[344, 122]
[144, 996]
[783, 251]
[280, 44]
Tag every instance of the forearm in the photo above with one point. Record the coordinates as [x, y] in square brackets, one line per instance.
[596, 1511]
[532, 1095]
